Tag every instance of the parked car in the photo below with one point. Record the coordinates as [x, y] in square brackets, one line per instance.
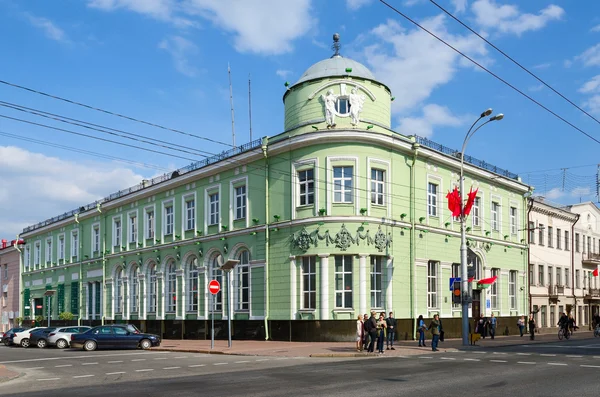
[61, 337]
[117, 336]
[9, 335]
[39, 337]
[22, 338]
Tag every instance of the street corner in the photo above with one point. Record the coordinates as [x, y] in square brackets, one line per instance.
[7, 374]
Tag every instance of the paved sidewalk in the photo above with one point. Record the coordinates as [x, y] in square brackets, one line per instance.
[341, 349]
[6, 374]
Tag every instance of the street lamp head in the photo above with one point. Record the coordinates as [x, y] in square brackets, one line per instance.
[497, 117]
[486, 113]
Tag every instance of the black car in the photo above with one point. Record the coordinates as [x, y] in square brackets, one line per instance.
[39, 338]
[10, 334]
[118, 336]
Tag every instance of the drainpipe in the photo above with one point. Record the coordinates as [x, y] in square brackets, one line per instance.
[531, 201]
[267, 242]
[573, 262]
[76, 216]
[21, 303]
[413, 301]
[103, 286]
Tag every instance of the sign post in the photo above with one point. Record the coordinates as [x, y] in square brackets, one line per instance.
[227, 268]
[213, 287]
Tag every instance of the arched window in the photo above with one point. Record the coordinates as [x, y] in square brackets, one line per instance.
[171, 287]
[242, 274]
[152, 288]
[119, 291]
[135, 290]
[216, 274]
[474, 265]
[192, 284]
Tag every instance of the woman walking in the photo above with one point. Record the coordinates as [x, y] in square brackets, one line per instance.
[360, 334]
[421, 329]
[531, 327]
[381, 326]
[521, 324]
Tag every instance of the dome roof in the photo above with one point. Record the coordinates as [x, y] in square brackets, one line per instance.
[335, 66]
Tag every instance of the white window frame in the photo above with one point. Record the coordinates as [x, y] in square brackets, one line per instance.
[37, 253]
[214, 203]
[433, 269]
[558, 275]
[377, 185]
[343, 191]
[512, 289]
[309, 281]
[476, 211]
[433, 209]
[192, 283]
[132, 227]
[61, 247]
[28, 256]
[513, 220]
[75, 244]
[341, 161]
[233, 215]
[495, 290]
[300, 166]
[152, 288]
[239, 198]
[215, 273]
[150, 222]
[382, 165]
[376, 281]
[135, 290]
[550, 235]
[189, 214]
[49, 249]
[207, 192]
[558, 239]
[309, 187]
[344, 273]
[117, 231]
[95, 238]
[119, 276]
[171, 284]
[166, 205]
[241, 304]
[495, 216]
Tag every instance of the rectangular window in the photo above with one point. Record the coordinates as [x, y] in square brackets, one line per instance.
[475, 212]
[213, 210]
[588, 245]
[543, 314]
[567, 242]
[37, 254]
[531, 231]
[240, 202]
[541, 275]
[133, 229]
[558, 239]
[494, 290]
[512, 289]
[531, 279]
[567, 278]
[577, 279]
[343, 281]
[49, 251]
[495, 216]
[61, 247]
[342, 184]
[455, 270]
[377, 187]
[432, 191]
[309, 281]
[96, 239]
[243, 281]
[6, 271]
[190, 214]
[513, 220]
[27, 256]
[541, 234]
[550, 275]
[152, 288]
[75, 245]
[559, 276]
[117, 232]
[376, 281]
[432, 271]
[576, 242]
[169, 220]
[150, 224]
[306, 180]
[550, 236]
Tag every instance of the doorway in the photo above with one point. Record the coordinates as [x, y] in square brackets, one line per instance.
[476, 304]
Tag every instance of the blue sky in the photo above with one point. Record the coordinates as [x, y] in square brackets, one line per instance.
[165, 61]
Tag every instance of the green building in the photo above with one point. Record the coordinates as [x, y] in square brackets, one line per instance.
[333, 217]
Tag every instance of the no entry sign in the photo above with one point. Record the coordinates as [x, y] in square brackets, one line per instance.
[214, 287]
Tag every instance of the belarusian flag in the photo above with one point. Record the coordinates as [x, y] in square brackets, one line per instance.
[487, 282]
[595, 272]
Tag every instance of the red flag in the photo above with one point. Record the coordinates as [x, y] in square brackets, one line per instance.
[470, 201]
[471, 279]
[454, 202]
[595, 272]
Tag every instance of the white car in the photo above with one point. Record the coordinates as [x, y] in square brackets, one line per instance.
[61, 337]
[22, 338]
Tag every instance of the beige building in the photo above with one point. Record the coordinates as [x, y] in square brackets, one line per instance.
[9, 284]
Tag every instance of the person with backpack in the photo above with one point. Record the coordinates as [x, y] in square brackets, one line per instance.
[421, 330]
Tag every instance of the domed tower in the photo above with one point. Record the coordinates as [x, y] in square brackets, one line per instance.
[337, 93]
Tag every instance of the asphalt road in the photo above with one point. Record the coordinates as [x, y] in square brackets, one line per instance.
[551, 369]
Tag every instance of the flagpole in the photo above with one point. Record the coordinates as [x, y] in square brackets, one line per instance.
[466, 299]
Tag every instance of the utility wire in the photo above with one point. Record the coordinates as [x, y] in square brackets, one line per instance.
[112, 113]
[489, 71]
[514, 61]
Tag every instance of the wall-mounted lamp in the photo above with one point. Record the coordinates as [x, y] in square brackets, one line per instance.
[199, 233]
[447, 224]
[253, 234]
[402, 216]
[225, 248]
[393, 98]
[315, 127]
[224, 228]
[506, 236]
[370, 126]
[255, 220]
[222, 239]
[200, 252]
[322, 211]
[275, 229]
[363, 211]
[421, 219]
[276, 217]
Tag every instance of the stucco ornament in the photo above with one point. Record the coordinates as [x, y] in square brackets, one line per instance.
[343, 239]
[381, 240]
[303, 240]
[356, 104]
[330, 99]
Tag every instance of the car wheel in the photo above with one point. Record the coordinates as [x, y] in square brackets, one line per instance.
[61, 343]
[90, 345]
[7, 343]
[145, 344]
[25, 342]
[42, 343]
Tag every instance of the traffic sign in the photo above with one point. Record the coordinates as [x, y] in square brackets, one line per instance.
[452, 280]
[214, 287]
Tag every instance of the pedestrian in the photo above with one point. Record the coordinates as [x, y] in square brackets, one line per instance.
[421, 329]
[391, 331]
[365, 332]
[381, 326]
[434, 327]
[571, 323]
[441, 330]
[372, 330]
[521, 325]
[493, 322]
[481, 326]
[360, 333]
[531, 327]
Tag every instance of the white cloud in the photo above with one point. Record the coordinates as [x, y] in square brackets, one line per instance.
[591, 85]
[595, 29]
[554, 194]
[356, 4]
[459, 5]
[412, 63]
[433, 116]
[581, 191]
[593, 104]
[508, 19]
[164, 10]
[48, 27]
[542, 65]
[536, 88]
[590, 57]
[180, 49]
[66, 185]
[283, 73]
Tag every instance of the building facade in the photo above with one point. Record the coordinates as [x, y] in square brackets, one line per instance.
[333, 217]
[9, 282]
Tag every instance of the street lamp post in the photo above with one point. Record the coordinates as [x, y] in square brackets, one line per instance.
[49, 294]
[227, 268]
[463, 238]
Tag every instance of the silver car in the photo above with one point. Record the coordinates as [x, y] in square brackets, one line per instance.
[62, 336]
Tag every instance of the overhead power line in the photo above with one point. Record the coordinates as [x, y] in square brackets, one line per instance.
[112, 113]
[489, 71]
[514, 61]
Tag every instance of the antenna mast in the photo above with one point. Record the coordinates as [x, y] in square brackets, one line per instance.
[231, 102]
[250, 106]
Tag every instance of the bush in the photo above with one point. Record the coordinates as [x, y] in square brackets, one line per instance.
[68, 316]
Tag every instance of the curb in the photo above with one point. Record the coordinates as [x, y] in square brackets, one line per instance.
[202, 351]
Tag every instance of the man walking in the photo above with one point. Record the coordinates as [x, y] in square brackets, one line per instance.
[371, 328]
[434, 326]
[493, 323]
[391, 331]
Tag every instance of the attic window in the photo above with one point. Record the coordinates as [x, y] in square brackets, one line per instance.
[342, 106]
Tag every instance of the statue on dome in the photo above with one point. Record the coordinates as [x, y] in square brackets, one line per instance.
[330, 99]
[356, 104]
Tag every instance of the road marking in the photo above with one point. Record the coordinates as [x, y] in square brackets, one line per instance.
[63, 365]
[162, 358]
[89, 364]
[34, 368]
[590, 366]
[282, 358]
[115, 373]
[498, 361]
[196, 365]
[557, 364]
[575, 356]
[478, 352]
[140, 359]
[523, 354]
[498, 353]
[180, 357]
[596, 356]
[78, 357]
[263, 359]
[525, 362]
[144, 370]
[241, 362]
[220, 364]
[171, 367]
[447, 358]
[41, 380]
[83, 376]
[425, 357]
[548, 355]
[471, 359]
[113, 362]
